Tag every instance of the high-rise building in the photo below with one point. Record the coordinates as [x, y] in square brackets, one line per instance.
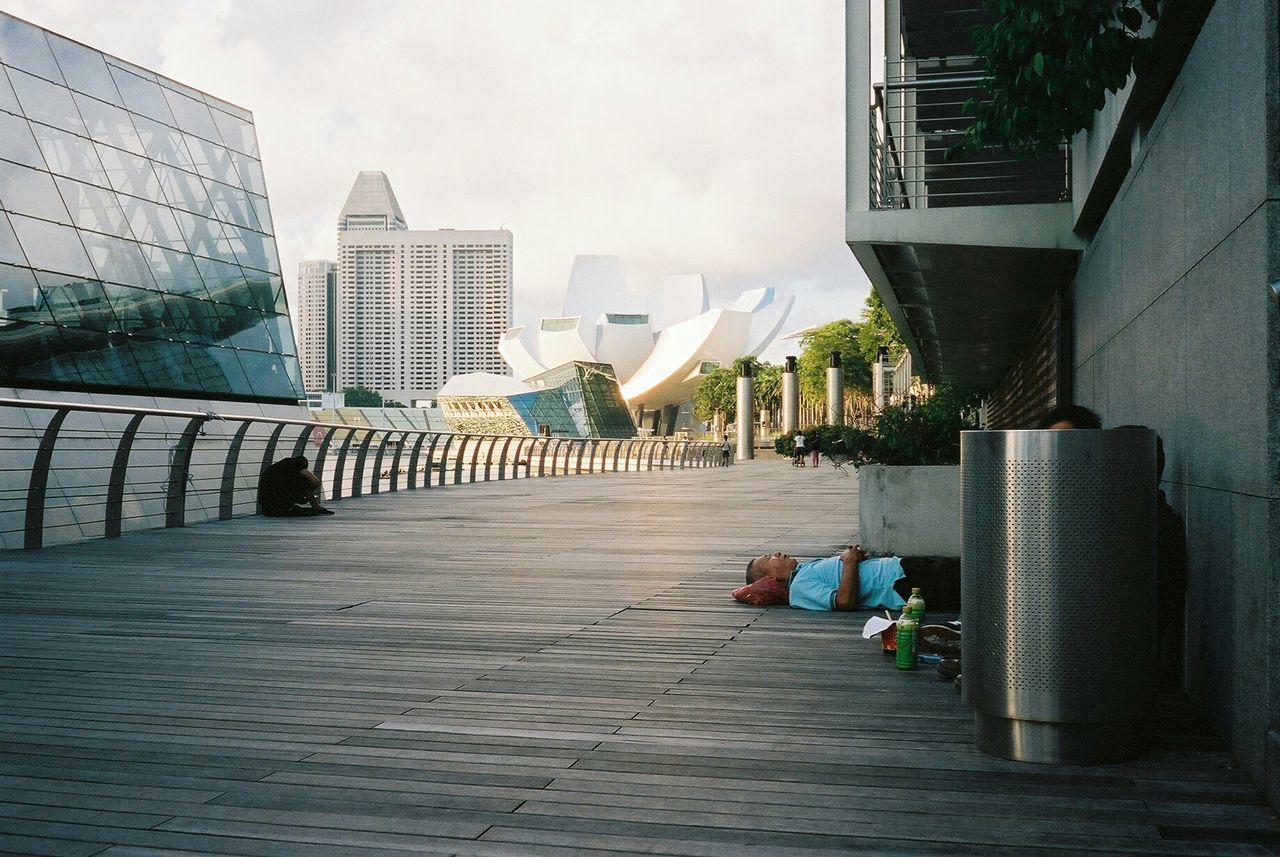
[317, 324]
[415, 307]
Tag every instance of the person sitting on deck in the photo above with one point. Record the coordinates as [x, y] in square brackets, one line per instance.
[851, 580]
[287, 484]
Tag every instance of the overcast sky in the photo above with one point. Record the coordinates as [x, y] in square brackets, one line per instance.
[686, 136]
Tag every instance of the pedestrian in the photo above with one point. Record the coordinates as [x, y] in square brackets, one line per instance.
[798, 448]
[725, 451]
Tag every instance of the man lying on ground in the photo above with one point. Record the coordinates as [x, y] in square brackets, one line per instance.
[851, 580]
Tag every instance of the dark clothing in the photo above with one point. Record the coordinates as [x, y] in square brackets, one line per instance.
[938, 578]
[1171, 593]
[281, 487]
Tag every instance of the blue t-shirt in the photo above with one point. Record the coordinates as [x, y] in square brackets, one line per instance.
[814, 583]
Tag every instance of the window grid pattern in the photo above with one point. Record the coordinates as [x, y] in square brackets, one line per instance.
[136, 242]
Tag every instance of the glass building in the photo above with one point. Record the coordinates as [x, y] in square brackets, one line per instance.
[577, 399]
[136, 248]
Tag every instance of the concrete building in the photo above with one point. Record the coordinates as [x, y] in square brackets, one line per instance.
[415, 307]
[1134, 273]
[317, 324]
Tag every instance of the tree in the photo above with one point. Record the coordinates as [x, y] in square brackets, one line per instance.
[716, 393]
[363, 397]
[815, 354]
[877, 331]
[1051, 65]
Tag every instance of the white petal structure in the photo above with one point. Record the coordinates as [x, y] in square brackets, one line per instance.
[658, 354]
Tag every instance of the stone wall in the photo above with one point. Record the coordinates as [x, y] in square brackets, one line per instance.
[1176, 328]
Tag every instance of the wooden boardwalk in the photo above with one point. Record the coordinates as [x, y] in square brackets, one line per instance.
[537, 667]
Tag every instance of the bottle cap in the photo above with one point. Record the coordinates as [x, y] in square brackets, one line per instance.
[915, 590]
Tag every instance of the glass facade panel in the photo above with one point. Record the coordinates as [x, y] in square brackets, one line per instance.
[84, 69]
[24, 47]
[132, 251]
[45, 102]
[32, 192]
[110, 125]
[51, 246]
[93, 207]
[69, 155]
[142, 96]
[17, 143]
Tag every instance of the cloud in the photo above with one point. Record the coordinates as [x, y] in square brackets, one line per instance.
[682, 136]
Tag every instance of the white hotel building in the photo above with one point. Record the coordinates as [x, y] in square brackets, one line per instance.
[412, 308]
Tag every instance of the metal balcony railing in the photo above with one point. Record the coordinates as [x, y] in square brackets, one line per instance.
[916, 119]
[94, 471]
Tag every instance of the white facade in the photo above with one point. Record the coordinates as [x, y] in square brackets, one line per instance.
[416, 307]
[316, 282]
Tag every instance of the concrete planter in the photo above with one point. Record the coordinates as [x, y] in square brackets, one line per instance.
[910, 511]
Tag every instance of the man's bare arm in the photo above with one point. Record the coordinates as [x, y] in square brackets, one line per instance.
[847, 592]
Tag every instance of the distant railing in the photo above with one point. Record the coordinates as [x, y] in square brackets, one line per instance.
[917, 118]
[117, 468]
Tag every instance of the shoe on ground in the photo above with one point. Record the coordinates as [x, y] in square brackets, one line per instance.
[940, 640]
[949, 668]
[324, 511]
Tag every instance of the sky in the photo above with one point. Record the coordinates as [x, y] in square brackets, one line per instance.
[684, 136]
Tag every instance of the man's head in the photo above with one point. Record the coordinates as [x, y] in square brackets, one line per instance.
[776, 565]
[1070, 417]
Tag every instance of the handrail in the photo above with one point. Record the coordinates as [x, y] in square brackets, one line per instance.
[182, 468]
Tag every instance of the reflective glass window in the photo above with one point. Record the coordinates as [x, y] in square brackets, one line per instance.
[184, 190]
[23, 45]
[152, 223]
[144, 73]
[294, 372]
[193, 116]
[263, 211]
[227, 364]
[110, 125]
[244, 328]
[165, 365]
[204, 236]
[51, 246]
[117, 260]
[175, 273]
[10, 249]
[35, 354]
[104, 359]
[225, 282]
[69, 155]
[227, 107]
[84, 69]
[45, 102]
[253, 249]
[142, 96]
[20, 296]
[236, 133]
[231, 204]
[163, 143]
[93, 207]
[212, 161]
[282, 301]
[250, 173]
[8, 101]
[281, 333]
[16, 142]
[267, 375]
[32, 192]
[208, 371]
[129, 173]
[262, 291]
[77, 302]
[193, 320]
[138, 312]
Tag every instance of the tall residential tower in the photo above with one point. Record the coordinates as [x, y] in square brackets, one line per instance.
[317, 319]
[415, 307]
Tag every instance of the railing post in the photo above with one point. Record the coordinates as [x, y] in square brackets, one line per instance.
[395, 463]
[653, 447]
[226, 496]
[357, 473]
[33, 537]
[323, 452]
[502, 462]
[444, 455]
[542, 458]
[431, 458]
[577, 466]
[336, 492]
[375, 476]
[617, 448]
[475, 459]
[300, 443]
[412, 481]
[175, 506]
[457, 462]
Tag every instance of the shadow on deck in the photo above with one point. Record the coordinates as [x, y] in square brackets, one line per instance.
[541, 667]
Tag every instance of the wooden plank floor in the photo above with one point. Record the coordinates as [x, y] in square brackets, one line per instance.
[537, 667]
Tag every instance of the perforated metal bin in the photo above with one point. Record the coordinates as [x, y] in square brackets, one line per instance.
[1058, 591]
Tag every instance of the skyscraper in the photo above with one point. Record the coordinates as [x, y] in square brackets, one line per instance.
[415, 307]
[317, 323]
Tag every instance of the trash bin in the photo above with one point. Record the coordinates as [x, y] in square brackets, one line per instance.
[1058, 555]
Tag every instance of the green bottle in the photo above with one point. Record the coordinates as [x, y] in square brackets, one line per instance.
[915, 606]
[906, 656]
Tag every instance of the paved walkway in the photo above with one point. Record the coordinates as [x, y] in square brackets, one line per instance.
[536, 667]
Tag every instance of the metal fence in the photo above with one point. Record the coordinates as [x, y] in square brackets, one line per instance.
[92, 471]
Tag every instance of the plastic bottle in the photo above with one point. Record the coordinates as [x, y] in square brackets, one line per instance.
[915, 606]
[906, 654]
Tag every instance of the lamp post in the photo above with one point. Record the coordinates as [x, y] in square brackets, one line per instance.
[835, 391]
[790, 398]
[746, 409]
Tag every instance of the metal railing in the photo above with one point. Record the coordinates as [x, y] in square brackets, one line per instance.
[917, 117]
[118, 468]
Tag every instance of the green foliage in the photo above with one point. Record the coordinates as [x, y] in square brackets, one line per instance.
[815, 353]
[1052, 62]
[718, 390]
[363, 397]
[929, 433]
[878, 330]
